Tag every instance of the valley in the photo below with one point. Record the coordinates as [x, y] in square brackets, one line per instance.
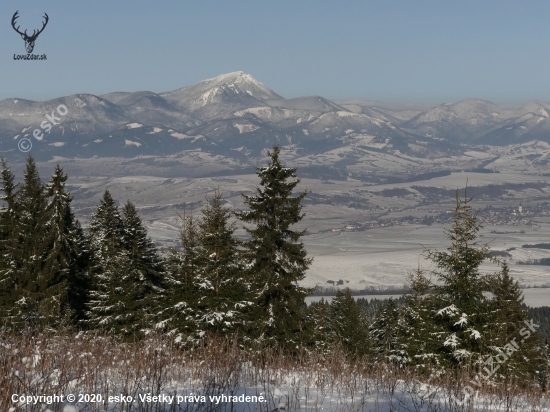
[381, 178]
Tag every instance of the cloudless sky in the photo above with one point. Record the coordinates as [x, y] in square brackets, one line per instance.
[392, 51]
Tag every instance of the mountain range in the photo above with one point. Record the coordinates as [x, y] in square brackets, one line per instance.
[235, 115]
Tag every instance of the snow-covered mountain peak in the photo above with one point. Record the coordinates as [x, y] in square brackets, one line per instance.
[230, 78]
[238, 83]
[222, 95]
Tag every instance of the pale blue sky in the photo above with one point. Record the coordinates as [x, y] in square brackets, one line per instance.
[393, 51]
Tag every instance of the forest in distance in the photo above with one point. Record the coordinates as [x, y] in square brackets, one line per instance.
[110, 279]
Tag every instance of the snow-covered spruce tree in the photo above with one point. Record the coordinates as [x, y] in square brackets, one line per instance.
[384, 334]
[348, 325]
[414, 325]
[126, 271]
[276, 259]
[146, 270]
[453, 310]
[10, 286]
[222, 289]
[31, 205]
[107, 307]
[175, 315]
[64, 276]
[318, 327]
[526, 363]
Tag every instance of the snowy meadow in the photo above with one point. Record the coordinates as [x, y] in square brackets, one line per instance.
[154, 375]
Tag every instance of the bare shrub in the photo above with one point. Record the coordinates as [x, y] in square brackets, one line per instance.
[88, 363]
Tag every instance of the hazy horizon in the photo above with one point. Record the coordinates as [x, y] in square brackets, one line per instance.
[398, 103]
[422, 52]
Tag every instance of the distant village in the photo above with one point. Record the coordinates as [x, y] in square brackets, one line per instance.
[519, 216]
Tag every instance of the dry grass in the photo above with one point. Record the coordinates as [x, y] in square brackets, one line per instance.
[94, 364]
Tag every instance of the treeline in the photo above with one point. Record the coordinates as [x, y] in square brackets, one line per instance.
[371, 290]
[488, 191]
[541, 317]
[111, 278]
[541, 262]
[537, 246]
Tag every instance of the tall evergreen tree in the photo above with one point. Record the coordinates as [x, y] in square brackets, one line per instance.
[509, 315]
[144, 284]
[107, 306]
[276, 259]
[10, 286]
[451, 322]
[176, 314]
[456, 305]
[31, 206]
[64, 275]
[219, 281]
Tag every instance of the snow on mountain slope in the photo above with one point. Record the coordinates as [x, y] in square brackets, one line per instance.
[397, 112]
[124, 98]
[312, 103]
[529, 122]
[86, 113]
[463, 121]
[234, 110]
[220, 96]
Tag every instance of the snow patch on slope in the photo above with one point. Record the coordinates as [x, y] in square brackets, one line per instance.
[131, 143]
[246, 127]
[180, 135]
[155, 130]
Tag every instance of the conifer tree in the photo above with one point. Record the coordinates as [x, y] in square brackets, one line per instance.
[318, 327]
[453, 322]
[276, 259]
[413, 339]
[219, 281]
[176, 314]
[64, 276]
[348, 324]
[456, 307]
[31, 205]
[10, 287]
[107, 306]
[144, 284]
[384, 333]
[525, 357]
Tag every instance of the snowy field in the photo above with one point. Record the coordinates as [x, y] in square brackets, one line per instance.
[384, 256]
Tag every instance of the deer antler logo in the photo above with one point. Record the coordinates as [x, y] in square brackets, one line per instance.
[29, 40]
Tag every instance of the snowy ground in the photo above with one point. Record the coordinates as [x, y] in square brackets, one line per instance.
[384, 257]
[297, 391]
[289, 391]
[406, 396]
[95, 373]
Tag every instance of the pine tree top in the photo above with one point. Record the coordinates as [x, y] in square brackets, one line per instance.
[458, 268]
